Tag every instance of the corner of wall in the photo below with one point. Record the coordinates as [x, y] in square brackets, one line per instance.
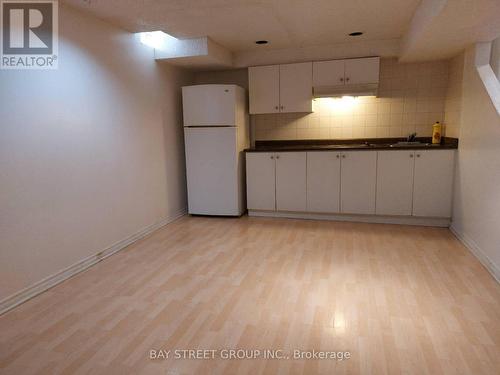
[454, 97]
[476, 197]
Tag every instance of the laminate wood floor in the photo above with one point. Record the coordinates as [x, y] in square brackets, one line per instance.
[399, 299]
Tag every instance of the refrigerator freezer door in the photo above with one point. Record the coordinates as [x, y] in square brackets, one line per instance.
[209, 105]
[212, 171]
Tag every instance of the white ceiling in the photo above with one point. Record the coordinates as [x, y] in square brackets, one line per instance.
[304, 30]
[443, 28]
[237, 24]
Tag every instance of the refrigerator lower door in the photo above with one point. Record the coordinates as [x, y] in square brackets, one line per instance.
[212, 171]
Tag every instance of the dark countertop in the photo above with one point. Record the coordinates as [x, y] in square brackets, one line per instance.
[349, 144]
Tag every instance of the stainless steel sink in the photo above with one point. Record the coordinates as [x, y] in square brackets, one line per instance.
[409, 144]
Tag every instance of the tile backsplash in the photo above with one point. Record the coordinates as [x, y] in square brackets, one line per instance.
[411, 98]
[453, 103]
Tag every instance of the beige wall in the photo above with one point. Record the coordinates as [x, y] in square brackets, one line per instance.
[495, 57]
[411, 98]
[90, 153]
[453, 104]
[234, 76]
[476, 215]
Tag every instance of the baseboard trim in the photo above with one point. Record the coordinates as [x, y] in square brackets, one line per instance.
[41, 286]
[400, 220]
[477, 252]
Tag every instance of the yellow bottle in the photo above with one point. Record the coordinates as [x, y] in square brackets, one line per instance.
[436, 133]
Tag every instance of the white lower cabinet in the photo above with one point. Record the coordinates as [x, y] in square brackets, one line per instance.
[390, 183]
[290, 181]
[417, 183]
[433, 183]
[323, 181]
[395, 182]
[261, 181]
[358, 182]
[276, 181]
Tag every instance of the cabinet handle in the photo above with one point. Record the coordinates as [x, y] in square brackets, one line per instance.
[282, 107]
[411, 155]
[343, 156]
[347, 79]
[418, 155]
[272, 157]
[341, 79]
[276, 107]
[338, 156]
[277, 156]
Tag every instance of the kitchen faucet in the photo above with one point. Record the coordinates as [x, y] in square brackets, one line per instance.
[412, 137]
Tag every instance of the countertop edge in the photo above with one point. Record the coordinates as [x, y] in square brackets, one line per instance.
[343, 145]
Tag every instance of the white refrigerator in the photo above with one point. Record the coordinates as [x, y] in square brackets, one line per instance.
[215, 135]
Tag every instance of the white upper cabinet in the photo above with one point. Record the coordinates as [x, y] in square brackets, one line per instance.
[395, 182]
[346, 72]
[358, 182]
[323, 181]
[360, 71]
[280, 88]
[433, 183]
[288, 87]
[296, 87]
[291, 181]
[261, 180]
[264, 89]
[328, 73]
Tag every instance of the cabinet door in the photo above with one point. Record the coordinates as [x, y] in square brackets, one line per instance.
[328, 73]
[296, 87]
[433, 183]
[323, 181]
[364, 70]
[264, 89]
[358, 182]
[291, 181]
[395, 182]
[261, 181]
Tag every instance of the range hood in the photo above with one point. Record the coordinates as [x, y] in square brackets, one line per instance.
[362, 89]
